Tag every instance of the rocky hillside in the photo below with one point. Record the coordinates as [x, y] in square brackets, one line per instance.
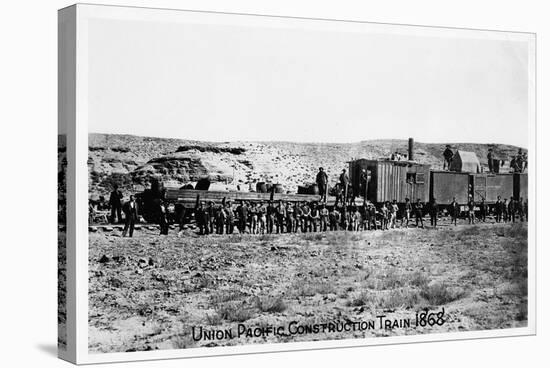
[130, 161]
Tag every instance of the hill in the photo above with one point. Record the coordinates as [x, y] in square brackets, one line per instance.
[130, 161]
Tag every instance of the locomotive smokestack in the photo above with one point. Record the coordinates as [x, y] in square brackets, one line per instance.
[411, 149]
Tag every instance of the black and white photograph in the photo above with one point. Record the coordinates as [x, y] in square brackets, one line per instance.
[269, 181]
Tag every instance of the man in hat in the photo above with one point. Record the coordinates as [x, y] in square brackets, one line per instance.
[419, 212]
[363, 178]
[130, 216]
[454, 210]
[115, 202]
[203, 220]
[344, 182]
[322, 181]
[447, 157]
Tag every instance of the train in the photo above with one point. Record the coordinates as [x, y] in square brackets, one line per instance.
[387, 180]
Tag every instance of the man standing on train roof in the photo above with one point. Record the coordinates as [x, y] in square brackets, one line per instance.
[322, 181]
[130, 216]
[490, 160]
[363, 178]
[115, 202]
[344, 182]
[419, 212]
[519, 160]
[447, 157]
[454, 210]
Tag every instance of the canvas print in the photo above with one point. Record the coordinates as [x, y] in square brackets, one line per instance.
[252, 182]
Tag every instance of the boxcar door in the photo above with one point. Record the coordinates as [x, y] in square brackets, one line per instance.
[480, 187]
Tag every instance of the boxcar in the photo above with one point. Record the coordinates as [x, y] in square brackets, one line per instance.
[391, 180]
[490, 186]
[446, 185]
[521, 186]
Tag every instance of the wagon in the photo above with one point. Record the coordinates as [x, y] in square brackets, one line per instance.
[490, 186]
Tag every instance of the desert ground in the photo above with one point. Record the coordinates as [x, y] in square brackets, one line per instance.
[149, 291]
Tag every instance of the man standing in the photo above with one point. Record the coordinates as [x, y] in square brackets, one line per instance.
[289, 211]
[271, 213]
[281, 214]
[447, 157]
[394, 208]
[130, 216]
[482, 210]
[419, 212]
[230, 218]
[322, 181]
[115, 202]
[454, 210]
[203, 220]
[306, 212]
[324, 214]
[512, 209]
[163, 222]
[314, 217]
[364, 179]
[298, 212]
[344, 183]
[498, 209]
[471, 211]
[408, 212]
[433, 212]
[520, 208]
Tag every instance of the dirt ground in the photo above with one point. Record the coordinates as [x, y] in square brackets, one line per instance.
[149, 291]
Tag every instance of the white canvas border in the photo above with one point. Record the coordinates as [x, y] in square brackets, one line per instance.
[85, 12]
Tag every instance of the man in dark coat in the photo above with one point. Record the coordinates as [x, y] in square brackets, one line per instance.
[512, 209]
[482, 210]
[202, 216]
[419, 212]
[498, 209]
[163, 221]
[322, 181]
[115, 202]
[344, 183]
[454, 210]
[447, 157]
[130, 216]
[364, 179]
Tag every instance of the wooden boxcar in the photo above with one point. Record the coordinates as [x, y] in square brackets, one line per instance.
[490, 186]
[446, 185]
[391, 180]
[521, 186]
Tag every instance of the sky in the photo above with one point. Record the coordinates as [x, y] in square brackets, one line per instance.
[241, 83]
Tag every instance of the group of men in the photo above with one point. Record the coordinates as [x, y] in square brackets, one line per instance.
[508, 211]
[292, 217]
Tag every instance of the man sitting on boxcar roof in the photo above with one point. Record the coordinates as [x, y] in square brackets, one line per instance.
[447, 157]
